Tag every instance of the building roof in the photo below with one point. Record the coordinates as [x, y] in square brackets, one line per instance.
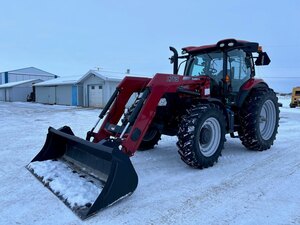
[60, 81]
[17, 83]
[31, 71]
[107, 76]
[104, 75]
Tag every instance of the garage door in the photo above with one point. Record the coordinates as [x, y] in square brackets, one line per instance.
[2, 94]
[7, 97]
[95, 95]
[51, 95]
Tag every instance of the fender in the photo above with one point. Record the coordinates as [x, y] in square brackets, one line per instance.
[247, 88]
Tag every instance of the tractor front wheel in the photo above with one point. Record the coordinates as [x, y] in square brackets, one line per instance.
[150, 139]
[201, 136]
[259, 118]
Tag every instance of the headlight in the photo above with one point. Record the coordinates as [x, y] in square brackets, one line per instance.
[226, 43]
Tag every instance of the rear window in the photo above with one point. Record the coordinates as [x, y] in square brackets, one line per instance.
[297, 93]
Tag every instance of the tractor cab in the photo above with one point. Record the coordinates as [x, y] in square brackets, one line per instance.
[229, 64]
[239, 69]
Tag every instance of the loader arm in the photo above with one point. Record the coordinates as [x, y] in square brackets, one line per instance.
[127, 87]
[153, 90]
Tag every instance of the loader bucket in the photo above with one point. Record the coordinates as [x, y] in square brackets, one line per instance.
[101, 170]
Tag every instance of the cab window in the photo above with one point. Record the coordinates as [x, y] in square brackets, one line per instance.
[239, 65]
[207, 64]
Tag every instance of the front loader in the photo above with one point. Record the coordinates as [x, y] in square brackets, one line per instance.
[216, 95]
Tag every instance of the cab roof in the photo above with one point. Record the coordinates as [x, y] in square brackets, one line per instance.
[246, 45]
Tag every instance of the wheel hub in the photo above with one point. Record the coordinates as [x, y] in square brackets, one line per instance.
[205, 135]
[210, 136]
[267, 120]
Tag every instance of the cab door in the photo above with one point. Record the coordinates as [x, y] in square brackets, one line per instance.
[240, 68]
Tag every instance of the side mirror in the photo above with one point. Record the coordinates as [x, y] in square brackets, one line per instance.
[262, 59]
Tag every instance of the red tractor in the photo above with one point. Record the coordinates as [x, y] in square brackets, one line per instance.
[216, 95]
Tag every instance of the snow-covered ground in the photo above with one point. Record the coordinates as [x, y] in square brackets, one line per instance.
[244, 187]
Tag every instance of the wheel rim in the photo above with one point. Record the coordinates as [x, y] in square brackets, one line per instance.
[210, 135]
[267, 119]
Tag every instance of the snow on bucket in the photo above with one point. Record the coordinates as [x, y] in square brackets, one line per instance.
[75, 188]
[86, 176]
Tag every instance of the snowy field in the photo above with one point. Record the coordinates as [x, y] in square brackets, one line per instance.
[244, 187]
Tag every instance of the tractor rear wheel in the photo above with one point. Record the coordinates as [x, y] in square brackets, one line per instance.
[201, 136]
[259, 118]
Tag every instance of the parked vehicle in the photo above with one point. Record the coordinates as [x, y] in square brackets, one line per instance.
[217, 94]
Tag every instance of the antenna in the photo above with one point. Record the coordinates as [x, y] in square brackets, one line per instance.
[98, 68]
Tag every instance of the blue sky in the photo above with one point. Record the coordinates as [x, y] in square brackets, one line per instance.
[70, 37]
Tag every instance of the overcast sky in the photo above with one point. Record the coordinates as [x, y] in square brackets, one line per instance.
[70, 37]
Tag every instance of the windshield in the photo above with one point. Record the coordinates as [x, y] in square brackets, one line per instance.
[239, 66]
[209, 64]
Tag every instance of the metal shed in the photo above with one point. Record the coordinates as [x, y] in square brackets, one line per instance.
[98, 86]
[17, 91]
[25, 74]
[90, 90]
[61, 91]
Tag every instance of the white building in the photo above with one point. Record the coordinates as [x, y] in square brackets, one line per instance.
[61, 91]
[16, 85]
[98, 86]
[28, 73]
[17, 91]
[90, 90]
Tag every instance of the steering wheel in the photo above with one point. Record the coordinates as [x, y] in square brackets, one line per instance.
[212, 70]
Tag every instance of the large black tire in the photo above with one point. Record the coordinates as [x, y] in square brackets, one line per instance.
[259, 118]
[201, 135]
[150, 139]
